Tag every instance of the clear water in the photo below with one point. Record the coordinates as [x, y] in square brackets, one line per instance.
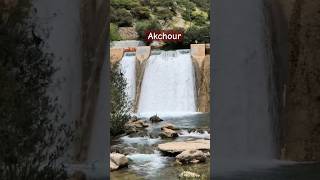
[148, 163]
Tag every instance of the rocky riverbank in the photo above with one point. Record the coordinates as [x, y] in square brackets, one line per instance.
[158, 144]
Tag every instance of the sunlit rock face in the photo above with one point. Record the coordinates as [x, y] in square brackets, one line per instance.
[204, 89]
[301, 121]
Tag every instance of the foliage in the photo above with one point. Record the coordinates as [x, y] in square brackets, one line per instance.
[202, 4]
[143, 26]
[121, 17]
[165, 14]
[141, 12]
[126, 4]
[32, 135]
[199, 34]
[120, 105]
[114, 32]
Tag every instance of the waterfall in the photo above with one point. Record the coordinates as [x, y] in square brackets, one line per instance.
[168, 85]
[128, 68]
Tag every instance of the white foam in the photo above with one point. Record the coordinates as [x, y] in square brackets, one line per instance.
[139, 140]
[204, 135]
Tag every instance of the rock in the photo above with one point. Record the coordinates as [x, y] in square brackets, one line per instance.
[113, 166]
[207, 154]
[168, 133]
[191, 156]
[133, 125]
[169, 126]
[128, 33]
[188, 174]
[122, 149]
[155, 119]
[119, 160]
[178, 147]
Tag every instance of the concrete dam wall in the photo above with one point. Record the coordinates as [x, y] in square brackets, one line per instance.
[149, 75]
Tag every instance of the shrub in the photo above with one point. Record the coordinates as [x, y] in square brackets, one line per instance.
[126, 4]
[199, 34]
[121, 17]
[143, 26]
[141, 12]
[120, 105]
[114, 32]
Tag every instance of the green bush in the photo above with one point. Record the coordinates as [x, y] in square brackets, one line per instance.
[121, 17]
[199, 20]
[199, 34]
[165, 14]
[141, 12]
[127, 4]
[114, 32]
[143, 26]
[120, 105]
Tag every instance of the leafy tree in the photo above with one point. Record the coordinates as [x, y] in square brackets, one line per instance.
[32, 136]
[121, 17]
[141, 12]
[114, 32]
[143, 26]
[120, 105]
[199, 34]
[126, 4]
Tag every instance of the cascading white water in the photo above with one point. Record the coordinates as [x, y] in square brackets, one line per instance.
[168, 85]
[128, 68]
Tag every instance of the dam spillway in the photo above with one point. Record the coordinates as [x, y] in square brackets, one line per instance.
[163, 82]
[128, 68]
[168, 85]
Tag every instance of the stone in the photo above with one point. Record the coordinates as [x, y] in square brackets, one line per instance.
[113, 166]
[189, 174]
[155, 119]
[168, 133]
[119, 159]
[178, 147]
[191, 156]
[169, 126]
[133, 125]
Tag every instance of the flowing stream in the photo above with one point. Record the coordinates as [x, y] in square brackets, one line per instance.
[168, 90]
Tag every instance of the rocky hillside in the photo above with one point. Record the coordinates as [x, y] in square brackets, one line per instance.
[187, 15]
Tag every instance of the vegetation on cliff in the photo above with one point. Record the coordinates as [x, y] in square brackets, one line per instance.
[190, 16]
[32, 135]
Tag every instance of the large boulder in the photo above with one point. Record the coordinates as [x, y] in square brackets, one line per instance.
[188, 174]
[168, 133]
[178, 147]
[169, 126]
[155, 119]
[113, 166]
[134, 125]
[117, 161]
[191, 156]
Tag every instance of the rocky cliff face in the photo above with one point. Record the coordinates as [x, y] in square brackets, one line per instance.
[301, 118]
